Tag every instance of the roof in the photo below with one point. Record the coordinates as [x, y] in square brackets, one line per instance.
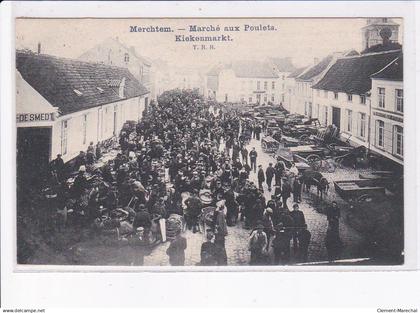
[283, 64]
[382, 47]
[352, 74]
[297, 72]
[393, 71]
[316, 69]
[73, 85]
[253, 69]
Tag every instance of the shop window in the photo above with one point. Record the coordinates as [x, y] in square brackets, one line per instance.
[272, 98]
[325, 115]
[399, 101]
[265, 85]
[398, 140]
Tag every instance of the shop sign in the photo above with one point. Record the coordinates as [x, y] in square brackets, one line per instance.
[389, 116]
[34, 117]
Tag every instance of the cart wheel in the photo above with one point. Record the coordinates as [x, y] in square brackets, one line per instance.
[304, 138]
[312, 158]
[364, 198]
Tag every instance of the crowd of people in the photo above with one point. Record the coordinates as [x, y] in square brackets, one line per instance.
[186, 162]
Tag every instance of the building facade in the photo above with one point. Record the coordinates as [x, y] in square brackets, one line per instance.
[68, 104]
[248, 81]
[387, 131]
[346, 96]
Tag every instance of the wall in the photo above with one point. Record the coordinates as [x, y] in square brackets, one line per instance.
[99, 125]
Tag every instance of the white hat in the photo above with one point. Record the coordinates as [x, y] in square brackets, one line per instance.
[82, 168]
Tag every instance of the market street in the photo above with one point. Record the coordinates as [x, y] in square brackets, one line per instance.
[237, 239]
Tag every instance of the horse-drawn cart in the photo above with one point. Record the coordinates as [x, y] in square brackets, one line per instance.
[358, 190]
[269, 144]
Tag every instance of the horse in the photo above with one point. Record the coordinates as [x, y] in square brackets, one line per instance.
[314, 178]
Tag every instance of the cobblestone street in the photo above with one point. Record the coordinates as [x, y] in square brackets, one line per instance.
[237, 239]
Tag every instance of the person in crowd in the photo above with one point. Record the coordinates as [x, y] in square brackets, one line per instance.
[257, 131]
[286, 190]
[279, 168]
[57, 165]
[253, 159]
[269, 173]
[80, 184]
[333, 215]
[220, 231]
[257, 245]
[90, 154]
[281, 245]
[208, 251]
[304, 238]
[293, 169]
[176, 250]
[261, 177]
[297, 189]
[267, 222]
[299, 223]
[194, 207]
[244, 154]
[333, 244]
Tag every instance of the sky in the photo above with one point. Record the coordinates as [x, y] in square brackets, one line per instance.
[301, 39]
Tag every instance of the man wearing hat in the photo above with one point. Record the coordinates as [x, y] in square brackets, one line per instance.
[253, 158]
[269, 173]
[208, 250]
[286, 190]
[257, 245]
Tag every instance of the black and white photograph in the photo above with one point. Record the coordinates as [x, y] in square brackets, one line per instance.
[210, 142]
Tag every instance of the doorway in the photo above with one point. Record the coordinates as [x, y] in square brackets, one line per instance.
[33, 153]
[336, 117]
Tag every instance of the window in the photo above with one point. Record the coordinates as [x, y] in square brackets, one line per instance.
[362, 99]
[273, 85]
[380, 131]
[306, 108]
[385, 20]
[325, 115]
[64, 129]
[250, 99]
[325, 94]
[310, 110]
[258, 85]
[265, 98]
[84, 128]
[265, 85]
[349, 97]
[381, 97]
[399, 101]
[126, 57]
[398, 140]
[349, 120]
[272, 98]
[362, 125]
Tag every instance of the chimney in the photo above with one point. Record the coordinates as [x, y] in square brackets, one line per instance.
[316, 61]
[39, 48]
